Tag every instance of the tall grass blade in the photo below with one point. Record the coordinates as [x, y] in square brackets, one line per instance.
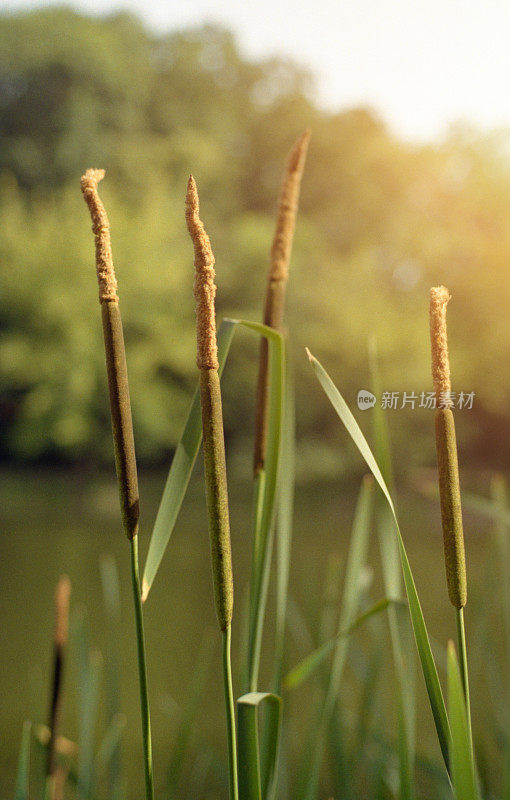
[111, 599]
[88, 663]
[306, 668]
[420, 631]
[186, 454]
[350, 601]
[180, 472]
[23, 772]
[89, 709]
[284, 527]
[265, 502]
[367, 704]
[109, 746]
[257, 769]
[499, 495]
[461, 753]
[403, 656]
[188, 717]
[480, 505]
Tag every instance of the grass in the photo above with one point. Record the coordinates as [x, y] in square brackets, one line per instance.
[71, 520]
[341, 752]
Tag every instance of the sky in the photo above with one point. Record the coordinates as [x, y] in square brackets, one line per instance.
[422, 64]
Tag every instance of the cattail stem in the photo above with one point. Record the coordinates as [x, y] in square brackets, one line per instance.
[214, 454]
[461, 638]
[142, 672]
[277, 285]
[62, 594]
[122, 428]
[230, 713]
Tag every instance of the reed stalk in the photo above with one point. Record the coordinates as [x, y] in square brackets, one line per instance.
[214, 455]
[273, 317]
[122, 428]
[448, 471]
[62, 594]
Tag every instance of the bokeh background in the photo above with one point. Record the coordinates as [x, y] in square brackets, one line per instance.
[392, 203]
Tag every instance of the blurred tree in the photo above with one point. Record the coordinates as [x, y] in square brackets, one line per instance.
[380, 222]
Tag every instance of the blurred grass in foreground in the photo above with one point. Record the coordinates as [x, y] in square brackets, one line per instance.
[55, 520]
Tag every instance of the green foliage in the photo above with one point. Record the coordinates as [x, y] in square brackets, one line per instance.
[381, 221]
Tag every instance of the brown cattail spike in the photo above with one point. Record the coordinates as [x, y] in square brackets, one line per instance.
[446, 448]
[212, 418]
[113, 335]
[277, 285]
[451, 508]
[62, 595]
[101, 230]
[439, 297]
[204, 289]
[287, 209]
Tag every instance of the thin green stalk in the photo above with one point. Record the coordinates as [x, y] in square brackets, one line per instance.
[461, 638]
[142, 672]
[230, 713]
[261, 559]
[122, 429]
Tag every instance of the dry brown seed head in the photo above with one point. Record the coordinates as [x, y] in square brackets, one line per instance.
[439, 297]
[204, 288]
[101, 229]
[62, 595]
[287, 209]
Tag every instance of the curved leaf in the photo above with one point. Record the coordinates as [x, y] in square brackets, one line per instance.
[180, 472]
[420, 630]
[462, 763]
[256, 770]
[302, 671]
[23, 773]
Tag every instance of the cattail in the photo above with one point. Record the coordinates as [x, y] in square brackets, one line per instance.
[212, 420]
[277, 283]
[62, 595]
[120, 405]
[446, 447]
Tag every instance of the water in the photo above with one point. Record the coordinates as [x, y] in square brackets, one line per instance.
[57, 521]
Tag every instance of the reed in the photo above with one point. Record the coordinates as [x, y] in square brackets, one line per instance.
[273, 317]
[277, 284]
[60, 636]
[446, 447]
[122, 428]
[448, 471]
[214, 455]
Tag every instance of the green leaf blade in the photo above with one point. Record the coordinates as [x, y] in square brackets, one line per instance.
[308, 665]
[256, 770]
[23, 772]
[420, 631]
[462, 763]
[180, 471]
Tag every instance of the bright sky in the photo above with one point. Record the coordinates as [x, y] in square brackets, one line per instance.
[422, 64]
